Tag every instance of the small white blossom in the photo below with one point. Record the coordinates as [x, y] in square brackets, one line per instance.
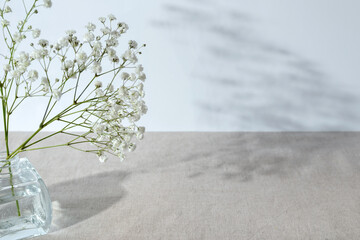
[63, 42]
[68, 64]
[142, 76]
[140, 87]
[43, 43]
[131, 147]
[140, 136]
[138, 69]
[133, 44]
[18, 37]
[130, 56]
[141, 130]
[112, 42]
[47, 3]
[102, 19]
[111, 17]
[110, 88]
[16, 74]
[105, 30]
[89, 37]
[96, 67]
[103, 158]
[98, 84]
[33, 75]
[70, 32]
[81, 57]
[46, 84]
[56, 94]
[123, 27]
[91, 26]
[5, 23]
[125, 75]
[7, 67]
[7, 9]
[36, 33]
[99, 92]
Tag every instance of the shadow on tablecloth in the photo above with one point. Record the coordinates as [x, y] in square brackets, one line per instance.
[77, 200]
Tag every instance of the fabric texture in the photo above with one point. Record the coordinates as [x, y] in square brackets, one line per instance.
[207, 186]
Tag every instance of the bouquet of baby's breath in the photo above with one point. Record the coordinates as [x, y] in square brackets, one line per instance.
[100, 86]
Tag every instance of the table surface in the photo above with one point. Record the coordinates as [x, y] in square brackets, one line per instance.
[208, 186]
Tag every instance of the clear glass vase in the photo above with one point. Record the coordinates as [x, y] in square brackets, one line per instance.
[25, 205]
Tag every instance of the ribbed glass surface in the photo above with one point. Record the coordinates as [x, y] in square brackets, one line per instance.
[25, 205]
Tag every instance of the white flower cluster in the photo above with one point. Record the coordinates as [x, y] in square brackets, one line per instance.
[109, 112]
[124, 103]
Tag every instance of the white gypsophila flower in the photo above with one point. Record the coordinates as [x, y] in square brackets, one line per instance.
[17, 37]
[111, 52]
[130, 56]
[36, 33]
[99, 128]
[45, 83]
[43, 43]
[7, 9]
[96, 68]
[47, 3]
[81, 57]
[140, 136]
[7, 67]
[105, 30]
[98, 84]
[99, 92]
[56, 93]
[89, 37]
[102, 19]
[116, 143]
[140, 87]
[122, 92]
[5, 23]
[132, 147]
[125, 75]
[16, 74]
[68, 64]
[33, 75]
[70, 32]
[112, 42]
[123, 27]
[39, 53]
[142, 76]
[138, 69]
[103, 158]
[63, 42]
[111, 17]
[22, 62]
[115, 34]
[97, 46]
[141, 130]
[115, 59]
[91, 26]
[133, 44]
[110, 88]
[96, 49]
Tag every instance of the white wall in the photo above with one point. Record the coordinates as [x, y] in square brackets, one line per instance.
[234, 65]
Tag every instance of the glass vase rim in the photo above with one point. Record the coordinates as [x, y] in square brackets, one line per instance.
[3, 155]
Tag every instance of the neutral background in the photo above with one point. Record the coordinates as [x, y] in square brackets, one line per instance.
[233, 65]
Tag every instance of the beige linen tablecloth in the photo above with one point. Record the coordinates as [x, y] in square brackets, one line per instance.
[208, 186]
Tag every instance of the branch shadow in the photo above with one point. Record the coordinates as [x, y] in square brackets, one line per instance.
[245, 157]
[77, 200]
[244, 81]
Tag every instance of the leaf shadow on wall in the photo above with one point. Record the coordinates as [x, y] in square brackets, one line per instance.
[245, 82]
